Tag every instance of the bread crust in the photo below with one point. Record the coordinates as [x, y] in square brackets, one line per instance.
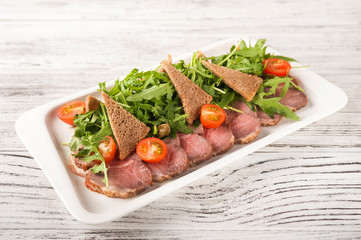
[127, 129]
[243, 83]
[192, 96]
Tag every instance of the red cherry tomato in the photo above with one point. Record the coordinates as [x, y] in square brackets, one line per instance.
[68, 111]
[151, 150]
[276, 66]
[212, 116]
[107, 149]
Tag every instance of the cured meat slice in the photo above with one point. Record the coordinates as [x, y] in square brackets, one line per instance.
[172, 140]
[294, 99]
[133, 156]
[266, 120]
[199, 130]
[126, 178]
[221, 139]
[174, 162]
[78, 166]
[244, 108]
[197, 148]
[244, 127]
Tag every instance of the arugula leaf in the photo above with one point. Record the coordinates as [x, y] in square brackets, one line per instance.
[92, 128]
[227, 98]
[153, 92]
[272, 106]
[288, 59]
[151, 97]
[247, 59]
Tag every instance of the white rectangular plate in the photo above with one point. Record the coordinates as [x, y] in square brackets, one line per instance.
[42, 133]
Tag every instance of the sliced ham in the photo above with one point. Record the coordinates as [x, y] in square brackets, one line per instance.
[221, 139]
[126, 178]
[175, 162]
[197, 148]
[266, 120]
[78, 166]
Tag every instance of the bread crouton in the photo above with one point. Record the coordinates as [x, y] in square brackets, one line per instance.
[91, 103]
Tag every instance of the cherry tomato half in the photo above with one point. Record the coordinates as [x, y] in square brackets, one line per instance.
[276, 66]
[212, 116]
[68, 111]
[151, 150]
[107, 149]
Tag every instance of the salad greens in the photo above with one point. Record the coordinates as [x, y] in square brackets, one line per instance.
[91, 129]
[246, 59]
[151, 97]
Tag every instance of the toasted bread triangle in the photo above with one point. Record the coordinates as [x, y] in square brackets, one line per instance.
[192, 96]
[127, 129]
[243, 83]
[161, 68]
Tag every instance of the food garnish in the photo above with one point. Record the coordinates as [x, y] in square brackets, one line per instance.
[276, 66]
[151, 150]
[68, 111]
[212, 116]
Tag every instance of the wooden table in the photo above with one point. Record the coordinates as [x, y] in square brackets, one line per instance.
[306, 185]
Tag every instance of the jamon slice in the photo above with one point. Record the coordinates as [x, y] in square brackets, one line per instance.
[91, 103]
[197, 148]
[127, 129]
[192, 96]
[266, 120]
[126, 179]
[243, 83]
[78, 166]
[175, 162]
[245, 126]
[221, 139]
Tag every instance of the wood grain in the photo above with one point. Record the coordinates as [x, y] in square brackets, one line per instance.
[305, 185]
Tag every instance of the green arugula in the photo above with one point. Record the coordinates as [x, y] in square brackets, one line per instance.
[91, 129]
[151, 97]
[247, 59]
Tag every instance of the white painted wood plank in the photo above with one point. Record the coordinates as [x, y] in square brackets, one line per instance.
[306, 185]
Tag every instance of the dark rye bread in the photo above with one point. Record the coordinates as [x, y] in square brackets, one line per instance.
[91, 103]
[192, 96]
[127, 129]
[161, 68]
[243, 83]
